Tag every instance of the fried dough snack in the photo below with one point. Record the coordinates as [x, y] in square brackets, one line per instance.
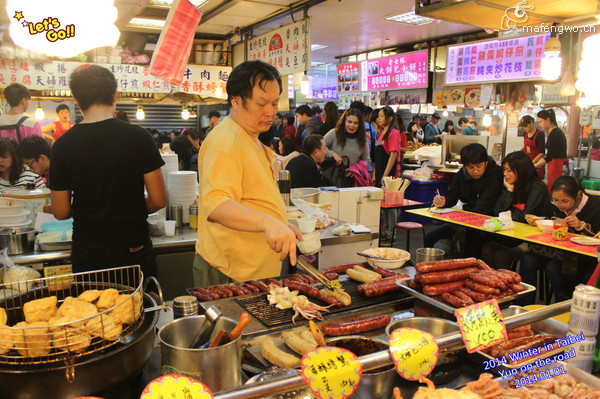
[73, 309]
[6, 339]
[32, 339]
[107, 299]
[73, 340]
[127, 310]
[105, 327]
[3, 317]
[89, 295]
[40, 309]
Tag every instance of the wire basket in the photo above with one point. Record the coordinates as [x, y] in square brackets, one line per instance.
[63, 324]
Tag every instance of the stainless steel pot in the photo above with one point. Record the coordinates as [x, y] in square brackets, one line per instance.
[449, 365]
[308, 194]
[18, 240]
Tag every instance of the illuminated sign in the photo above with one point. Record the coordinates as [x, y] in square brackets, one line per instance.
[347, 78]
[405, 71]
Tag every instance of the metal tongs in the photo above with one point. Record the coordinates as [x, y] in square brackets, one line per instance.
[318, 275]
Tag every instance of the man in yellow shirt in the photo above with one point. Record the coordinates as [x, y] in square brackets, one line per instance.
[243, 233]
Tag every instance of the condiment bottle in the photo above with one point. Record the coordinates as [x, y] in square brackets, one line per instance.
[193, 216]
[560, 230]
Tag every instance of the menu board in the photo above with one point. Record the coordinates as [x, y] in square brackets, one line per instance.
[510, 59]
[405, 71]
[323, 93]
[347, 77]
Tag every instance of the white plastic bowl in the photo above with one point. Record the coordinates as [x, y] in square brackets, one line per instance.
[307, 225]
[545, 225]
[393, 257]
[11, 207]
[50, 236]
[16, 218]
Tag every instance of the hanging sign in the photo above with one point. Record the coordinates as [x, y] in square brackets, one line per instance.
[481, 325]
[176, 386]
[347, 77]
[514, 59]
[402, 71]
[204, 80]
[415, 353]
[286, 48]
[330, 372]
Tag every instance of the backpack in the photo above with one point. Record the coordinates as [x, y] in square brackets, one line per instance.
[16, 127]
[335, 175]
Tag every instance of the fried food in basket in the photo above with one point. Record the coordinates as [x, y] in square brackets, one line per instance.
[40, 309]
[3, 317]
[430, 392]
[74, 309]
[89, 295]
[485, 386]
[127, 310]
[32, 339]
[6, 339]
[68, 339]
[107, 299]
[105, 327]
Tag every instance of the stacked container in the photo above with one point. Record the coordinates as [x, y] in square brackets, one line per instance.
[585, 315]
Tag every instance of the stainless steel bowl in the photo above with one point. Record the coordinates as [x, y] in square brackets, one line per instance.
[449, 365]
[18, 240]
[308, 194]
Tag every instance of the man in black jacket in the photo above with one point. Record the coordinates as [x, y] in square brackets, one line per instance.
[477, 185]
[304, 169]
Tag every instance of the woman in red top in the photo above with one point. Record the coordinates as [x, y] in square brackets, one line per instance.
[290, 130]
[556, 146]
[61, 126]
[534, 142]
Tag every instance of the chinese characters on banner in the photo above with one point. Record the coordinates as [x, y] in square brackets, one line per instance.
[510, 59]
[347, 77]
[284, 48]
[397, 72]
[204, 80]
[324, 93]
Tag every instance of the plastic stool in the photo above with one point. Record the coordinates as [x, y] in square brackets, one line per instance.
[408, 226]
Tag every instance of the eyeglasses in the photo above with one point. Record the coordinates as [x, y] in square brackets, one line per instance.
[30, 164]
[556, 202]
[476, 166]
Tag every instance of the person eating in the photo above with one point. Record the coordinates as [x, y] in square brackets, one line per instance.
[243, 232]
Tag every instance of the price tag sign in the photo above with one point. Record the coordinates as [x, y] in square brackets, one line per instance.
[59, 283]
[415, 353]
[175, 386]
[331, 373]
[481, 325]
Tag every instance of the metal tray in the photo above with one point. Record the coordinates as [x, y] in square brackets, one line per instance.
[546, 326]
[572, 371]
[404, 284]
[56, 246]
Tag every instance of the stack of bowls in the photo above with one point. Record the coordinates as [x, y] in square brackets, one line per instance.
[182, 189]
[14, 213]
[171, 165]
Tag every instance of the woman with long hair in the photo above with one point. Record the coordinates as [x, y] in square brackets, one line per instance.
[411, 132]
[348, 139]
[556, 146]
[287, 151]
[12, 169]
[449, 128]
[388, 146]
[290, 131]
[331, 118]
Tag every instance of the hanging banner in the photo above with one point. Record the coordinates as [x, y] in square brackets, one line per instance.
[347, 77]
[490, 61]
[204, 80]
[286, 48]
[404, 71]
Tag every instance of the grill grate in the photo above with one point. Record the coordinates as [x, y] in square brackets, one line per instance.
[271, 316]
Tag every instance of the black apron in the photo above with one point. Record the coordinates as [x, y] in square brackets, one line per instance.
[381, 161]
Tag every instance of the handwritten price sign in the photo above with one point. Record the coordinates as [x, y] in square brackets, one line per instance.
[481, 325]
[331, 373]
[176, 386]
[415, 353]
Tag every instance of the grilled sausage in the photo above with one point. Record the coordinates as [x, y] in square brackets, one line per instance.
[339, 269]
[355, 327]
[508, 346]
[384, 272]
[516, 278]
[476, 296]
[439, 289]
[441, 265]
[330, 300]
[244, 290]
[361, 288]
[517, 287]
[305, 289]
[202, 296]
[235, 289]
[332, 276]
[466, 299]
[383, 288]
[446, 276]
[481, 265]
[262, 287]
[453, 300]
[273, 281]
[251, 288]
[486, 278]
[484, 289]
[310, 279]
[519, 334]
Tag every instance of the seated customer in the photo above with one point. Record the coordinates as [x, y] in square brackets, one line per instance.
[477, 185]
[12, 169]
[287, 151]
[582, 214]
[35, 153]
[524, 195]
[304, 169]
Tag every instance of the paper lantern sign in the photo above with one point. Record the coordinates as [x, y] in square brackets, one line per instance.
[415, 353]
[481, 325]
[330, 372]
[176, 386]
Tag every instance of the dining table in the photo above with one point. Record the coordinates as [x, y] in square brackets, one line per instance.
[521, 231]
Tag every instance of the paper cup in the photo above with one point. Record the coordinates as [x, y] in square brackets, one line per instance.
[170, 227]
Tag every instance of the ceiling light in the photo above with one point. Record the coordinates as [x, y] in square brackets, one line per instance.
[185, 113]
[445, 113]
[374, 54]
[305, 84]
[552, 62]
[352, 58]
[362, 57]
[147, 23]
[410, 18]
[587, 81]
[487, 118]
[140, 114]
[169, 3]
[315, 47]
[39, 111]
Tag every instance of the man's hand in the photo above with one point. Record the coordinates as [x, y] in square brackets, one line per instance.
[282, 238]
[338, 159]
[439, 201]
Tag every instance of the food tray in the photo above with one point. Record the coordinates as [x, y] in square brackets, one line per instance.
[572, 371]
[56, 246]
[546, 326]
[450, 309]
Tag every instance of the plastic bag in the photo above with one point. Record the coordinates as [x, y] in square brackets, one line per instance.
[423, 173]
[14, 275]
[502, 222]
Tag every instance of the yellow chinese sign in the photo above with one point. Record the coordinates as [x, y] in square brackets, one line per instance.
[331, 373]
[481, 325]
[415, 353]
[175, 386]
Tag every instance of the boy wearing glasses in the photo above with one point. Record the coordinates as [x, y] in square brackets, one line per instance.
[477, 186]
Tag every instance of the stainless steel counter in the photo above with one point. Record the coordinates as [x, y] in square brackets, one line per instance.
[328, 238]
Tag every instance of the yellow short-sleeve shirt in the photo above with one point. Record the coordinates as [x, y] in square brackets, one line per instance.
[230, 166]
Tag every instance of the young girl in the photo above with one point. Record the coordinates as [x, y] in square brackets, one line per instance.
[582, 214]
[12, 169]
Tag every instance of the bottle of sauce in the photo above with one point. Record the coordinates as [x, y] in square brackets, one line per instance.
[560, 230]
[193, 216]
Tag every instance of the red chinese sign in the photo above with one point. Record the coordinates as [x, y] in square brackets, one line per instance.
[405, 71]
